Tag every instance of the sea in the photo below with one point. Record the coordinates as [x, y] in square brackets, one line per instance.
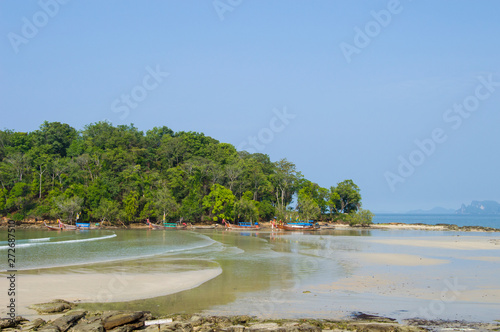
[492, 221]
[334, 273]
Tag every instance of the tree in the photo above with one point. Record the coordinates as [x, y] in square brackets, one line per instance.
[219, 202]
[67, 207]
[285, 179]
[360, 218]
[333, 200]
[349, 198]
[107, 210]
[19, 163]
[164, 203]
[56, 136]
[3, 199]
[246, 208]
[130, 205]
[307, 206]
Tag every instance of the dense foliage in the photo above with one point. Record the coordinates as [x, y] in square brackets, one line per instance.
[120, 174]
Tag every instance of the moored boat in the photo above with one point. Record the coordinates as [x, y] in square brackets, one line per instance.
[298, 226]
[241, 225]
[61, 226]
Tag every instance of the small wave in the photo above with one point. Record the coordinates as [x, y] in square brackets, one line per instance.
[45, 242]
[43, 239]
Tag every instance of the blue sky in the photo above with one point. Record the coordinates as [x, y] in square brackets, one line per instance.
[403, 97]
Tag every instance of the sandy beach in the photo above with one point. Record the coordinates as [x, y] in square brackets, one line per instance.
[101, 287]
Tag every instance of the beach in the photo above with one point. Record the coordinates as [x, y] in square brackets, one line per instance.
[392, 272]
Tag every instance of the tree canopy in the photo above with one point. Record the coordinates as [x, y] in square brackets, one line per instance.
[121, 174]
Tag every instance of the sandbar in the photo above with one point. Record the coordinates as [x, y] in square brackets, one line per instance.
[102, 287]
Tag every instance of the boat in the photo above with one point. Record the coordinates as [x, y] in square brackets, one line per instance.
[298, 226]
[61, 227]
[87, 226]
[166, 225]
[241, 225]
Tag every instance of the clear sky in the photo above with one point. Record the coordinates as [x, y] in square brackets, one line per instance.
[402, 97]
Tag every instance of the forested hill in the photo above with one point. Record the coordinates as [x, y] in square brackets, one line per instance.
[118, 173]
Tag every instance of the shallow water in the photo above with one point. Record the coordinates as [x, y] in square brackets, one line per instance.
[327, 274]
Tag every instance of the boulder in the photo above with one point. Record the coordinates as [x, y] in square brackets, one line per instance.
[5, 323]
[64, 323]
[33, 325]
[264, 327]
[115, 319]
[235, 328]
[52, 307]
[196, 320]
[93, 324]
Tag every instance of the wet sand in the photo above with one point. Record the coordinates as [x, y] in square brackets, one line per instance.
[101, 287]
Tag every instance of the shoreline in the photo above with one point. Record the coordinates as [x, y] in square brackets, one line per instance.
[32, 224]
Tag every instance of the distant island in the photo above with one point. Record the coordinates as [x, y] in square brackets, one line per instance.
[475, 207]
[480, 207]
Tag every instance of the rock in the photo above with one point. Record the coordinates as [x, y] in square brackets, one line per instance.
[33, 325]
[93, 324]
[264, 327]
[196, 320]
[205, 327]
[5, 323]
[241, 319]
[64, 323]
[308, 327]
[235, 328]
[113, 320]
[50, 328]
[52, 307]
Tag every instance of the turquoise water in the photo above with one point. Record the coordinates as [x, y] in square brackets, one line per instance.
[433, 219]
[281, 274]
[42, 249]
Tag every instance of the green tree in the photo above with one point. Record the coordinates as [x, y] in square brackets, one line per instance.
[360, 218]
[55, 136]
[246, 208]
[66, 208]
[307, 206]
[3, 199]
[349, 197]
[107, 210]
[285, 179]
[130, 206]
[164, 203]
[219, 202]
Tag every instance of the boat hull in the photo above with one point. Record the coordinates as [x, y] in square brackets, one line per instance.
[239, 227]
[286, 227]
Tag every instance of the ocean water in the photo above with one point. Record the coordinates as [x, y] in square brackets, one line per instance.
[325, 274]
[433, 219]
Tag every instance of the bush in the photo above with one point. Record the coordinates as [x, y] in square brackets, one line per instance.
[360, 218]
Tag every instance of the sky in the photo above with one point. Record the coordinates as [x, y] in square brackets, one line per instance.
[402, 97]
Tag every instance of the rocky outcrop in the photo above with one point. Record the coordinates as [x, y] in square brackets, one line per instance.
[122, 321]
[55, 306]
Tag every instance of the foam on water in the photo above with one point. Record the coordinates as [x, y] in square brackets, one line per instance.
[44, 241]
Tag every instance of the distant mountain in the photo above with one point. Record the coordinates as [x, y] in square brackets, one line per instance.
[436, 210]
[480, 207]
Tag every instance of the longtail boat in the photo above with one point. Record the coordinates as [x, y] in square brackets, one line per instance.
[61, 227]
[298, 226]
[166, 225]
[241, 225]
